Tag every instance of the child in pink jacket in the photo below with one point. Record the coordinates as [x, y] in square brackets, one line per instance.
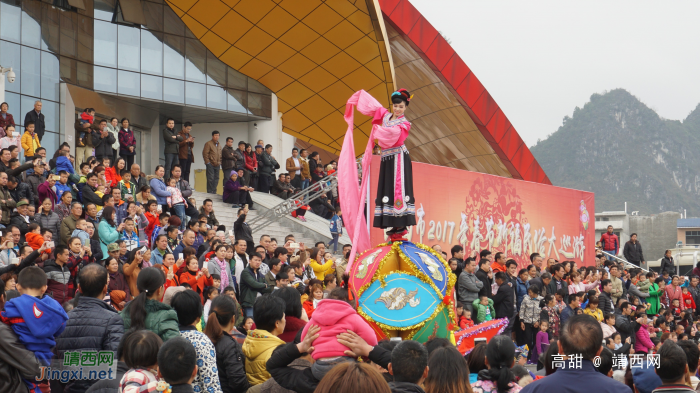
[335, 316]
[643, 344]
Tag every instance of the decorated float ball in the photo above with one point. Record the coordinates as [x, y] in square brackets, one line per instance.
[405, 290]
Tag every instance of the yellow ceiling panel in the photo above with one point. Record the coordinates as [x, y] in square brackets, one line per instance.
[344, 34]
[231, 3]
[232, 27]
[320, 50]
[322, 19]
[361, 79]
[317, 79]
[254, 10]
[363, 50]
[377, 67]
[174, 6]
[297, 66]
[276, 80]
[317, 134]
[277, 22]
[334, 122]
[341, 65]
[299, 36]
[294, 120]
[282, 106]
[276, 54]
[362, 5]
[183, 5]
[254, 41]
[235, 57]
[295, 94]
[255, 69]
[377, 91]
[343, 7]
[336, 94]
[197, 28]
[362, 21]
[315, 108]
[208, 12]
[300, 8]
[215, 44]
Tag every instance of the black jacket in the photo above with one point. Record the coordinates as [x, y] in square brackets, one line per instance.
[625, 326]
[16, 362]
[231, 364]
[17, 171]
[605, 303]
[21, 224]
[89, 196]
[228, 158]
[39, 123]
[23, 191]
[103, 146]
[633, 252]
[34, 181]
[172, 145]
[110, 385]
[504, 301]
[484, 278]
[303, 381]
[405, 387]
[92, 326]
[242, 230]
[666, 263]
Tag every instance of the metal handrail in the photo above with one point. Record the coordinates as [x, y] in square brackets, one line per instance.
[286, 207]
[625, 261]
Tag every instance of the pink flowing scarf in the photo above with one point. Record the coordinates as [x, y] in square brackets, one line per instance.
[352, 195]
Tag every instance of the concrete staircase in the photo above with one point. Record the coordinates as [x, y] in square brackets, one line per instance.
[313, 230]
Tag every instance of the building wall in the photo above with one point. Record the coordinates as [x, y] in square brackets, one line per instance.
[656, 233]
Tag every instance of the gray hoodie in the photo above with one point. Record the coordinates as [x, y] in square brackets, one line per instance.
[468, 287]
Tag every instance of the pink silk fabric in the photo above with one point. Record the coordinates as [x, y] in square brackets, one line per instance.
[351, 193]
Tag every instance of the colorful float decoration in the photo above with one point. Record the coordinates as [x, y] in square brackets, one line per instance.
[405, 290]
[488, 330]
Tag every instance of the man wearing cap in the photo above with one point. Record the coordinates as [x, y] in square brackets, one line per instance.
[21, 218]
[113, 252]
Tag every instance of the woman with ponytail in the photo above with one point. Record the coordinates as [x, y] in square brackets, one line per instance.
[500, 356]
[146, 311]
[229, 357]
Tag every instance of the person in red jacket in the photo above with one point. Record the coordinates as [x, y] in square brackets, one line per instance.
[197, 279]
[611, 244]
[688, 299]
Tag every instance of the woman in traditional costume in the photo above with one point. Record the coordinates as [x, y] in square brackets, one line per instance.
[395, 205]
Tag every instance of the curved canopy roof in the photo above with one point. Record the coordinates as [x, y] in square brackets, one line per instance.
[314, 54]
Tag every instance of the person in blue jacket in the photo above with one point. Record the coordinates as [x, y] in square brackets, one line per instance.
[35, 318]
[158, 188]
[336, 229]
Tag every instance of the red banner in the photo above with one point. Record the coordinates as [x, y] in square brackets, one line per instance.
[481, 211]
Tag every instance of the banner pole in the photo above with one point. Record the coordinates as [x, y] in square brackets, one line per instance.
[368, 207]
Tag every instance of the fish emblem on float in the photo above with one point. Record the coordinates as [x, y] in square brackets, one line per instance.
[431, 265]
[396, 298]
[364, 265]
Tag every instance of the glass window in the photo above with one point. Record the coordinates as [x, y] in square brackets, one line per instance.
[172, 23]
[86, 38]
[216, 70]
[50, 28]
[174, 90]
[237, 101]
[151, 87]
[27, 104]
[196, 94]
[104, 9]
[15, 109]
[31, 71]
[84, 74]
[154, 15]
[151, 52]
[51, 117]
[196, 61]
[106, 79]
[31, 30]
[173, 57]
[50, 77]
[10, 55]
[105, 44]
[692, 237]
[237, 80]
[216, 97]
[10, 17]
[50, 142]
[129, 48]
[255, 104]
[128, 83]
[69, 34]
[69, 70]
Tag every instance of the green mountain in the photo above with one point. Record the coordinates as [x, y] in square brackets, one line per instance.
[620, 149]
